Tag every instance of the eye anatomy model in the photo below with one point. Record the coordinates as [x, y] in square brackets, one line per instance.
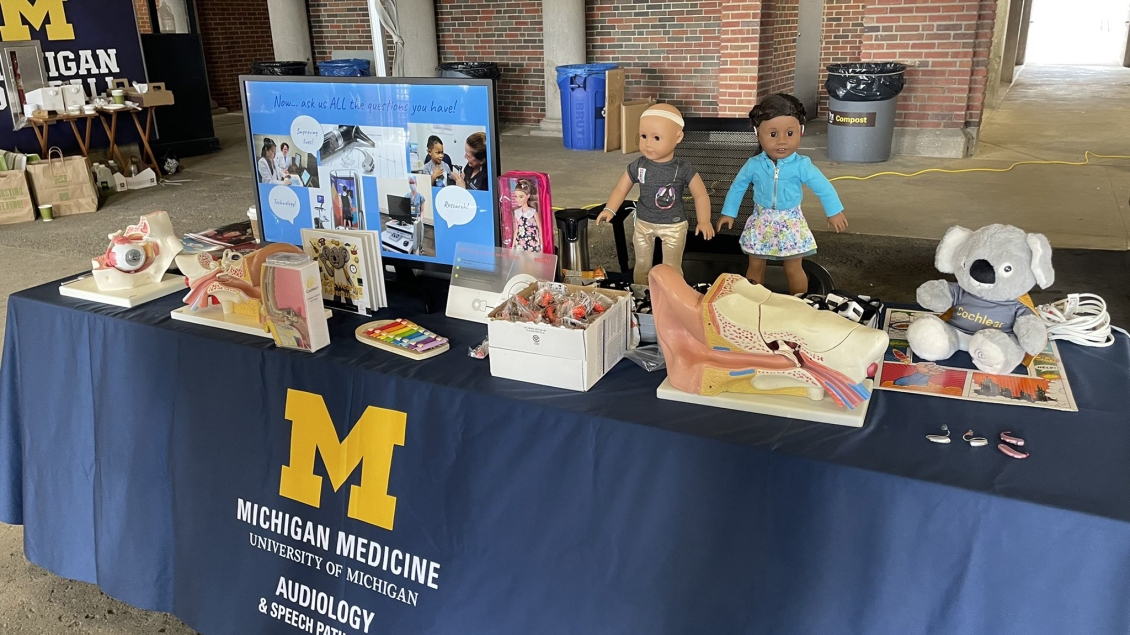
[742, 338]
[138, 256]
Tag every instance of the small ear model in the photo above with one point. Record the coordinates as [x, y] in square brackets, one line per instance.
[1041, 260]
[945, 256]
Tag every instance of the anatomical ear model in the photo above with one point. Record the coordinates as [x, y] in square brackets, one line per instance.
[742, 338]
[232, 282]
[138, 256]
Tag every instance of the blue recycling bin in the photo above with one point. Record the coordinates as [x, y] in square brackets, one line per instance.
[344, 68]
[582, 89]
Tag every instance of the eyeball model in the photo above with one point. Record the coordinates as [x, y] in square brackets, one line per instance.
[129, 255]
[138, 256]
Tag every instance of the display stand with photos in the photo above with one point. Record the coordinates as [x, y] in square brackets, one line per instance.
[412, 160]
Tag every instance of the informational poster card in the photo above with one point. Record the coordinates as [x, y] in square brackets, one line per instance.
[413, 162]
[483, 277]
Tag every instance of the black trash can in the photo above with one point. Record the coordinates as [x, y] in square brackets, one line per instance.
[861, 110]
[474, 70]
[278, 68]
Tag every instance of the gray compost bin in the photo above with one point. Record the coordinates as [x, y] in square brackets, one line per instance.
[861, 110]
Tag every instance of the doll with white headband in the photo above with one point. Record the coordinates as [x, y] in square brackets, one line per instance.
[662, 179]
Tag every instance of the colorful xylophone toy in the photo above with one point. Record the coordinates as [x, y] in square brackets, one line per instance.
[403, 338]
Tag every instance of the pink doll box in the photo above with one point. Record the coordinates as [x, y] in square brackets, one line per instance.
[536, 187]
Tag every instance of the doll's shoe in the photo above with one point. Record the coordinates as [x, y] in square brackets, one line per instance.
[995, 352]
[743, 338]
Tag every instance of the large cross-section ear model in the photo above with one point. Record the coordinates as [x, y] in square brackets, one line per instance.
[1041, 260]
[945, 259]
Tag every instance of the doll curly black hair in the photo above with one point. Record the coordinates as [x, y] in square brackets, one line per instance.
[779, 105]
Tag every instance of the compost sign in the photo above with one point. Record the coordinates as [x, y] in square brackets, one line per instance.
[81, 39]
[853, 119]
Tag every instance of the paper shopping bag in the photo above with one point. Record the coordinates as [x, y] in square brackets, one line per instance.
[15, 200]
[65, 183]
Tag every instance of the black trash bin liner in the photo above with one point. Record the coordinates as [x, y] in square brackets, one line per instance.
[865, 81]
[476, 70]
[278, 68]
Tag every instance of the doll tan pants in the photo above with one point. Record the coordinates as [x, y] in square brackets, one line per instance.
[674, 239]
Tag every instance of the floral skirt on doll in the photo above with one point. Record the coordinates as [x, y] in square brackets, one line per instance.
[777, 234]
[528, 237]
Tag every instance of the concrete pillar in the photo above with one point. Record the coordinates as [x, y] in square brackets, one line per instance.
[563, 42]
[290, 30]
[417, 20]
[1011, 42]
[1022, 44]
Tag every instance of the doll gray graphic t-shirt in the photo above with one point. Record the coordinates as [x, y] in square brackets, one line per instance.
[661, 189]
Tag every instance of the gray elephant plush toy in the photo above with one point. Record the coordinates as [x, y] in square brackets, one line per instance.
[987, 311]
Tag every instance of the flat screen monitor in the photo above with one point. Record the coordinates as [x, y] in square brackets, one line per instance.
[400, 208]
[367, 140]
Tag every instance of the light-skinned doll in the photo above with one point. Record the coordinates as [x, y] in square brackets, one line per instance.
[662, 179]
[527, 221]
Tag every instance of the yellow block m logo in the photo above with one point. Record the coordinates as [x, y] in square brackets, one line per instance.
[371, 440]
[36, 12]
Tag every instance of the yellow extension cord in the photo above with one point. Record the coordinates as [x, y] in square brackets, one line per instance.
[1086, 161]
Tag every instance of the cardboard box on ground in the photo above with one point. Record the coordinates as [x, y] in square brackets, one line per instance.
[573, 359]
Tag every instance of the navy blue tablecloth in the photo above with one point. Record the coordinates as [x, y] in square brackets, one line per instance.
[132, 448]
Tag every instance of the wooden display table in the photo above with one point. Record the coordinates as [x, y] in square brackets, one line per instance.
[109, 119]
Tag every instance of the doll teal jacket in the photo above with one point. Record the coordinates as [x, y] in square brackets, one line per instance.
[778, 185]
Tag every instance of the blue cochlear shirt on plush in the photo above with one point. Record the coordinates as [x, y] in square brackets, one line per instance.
[780, 185]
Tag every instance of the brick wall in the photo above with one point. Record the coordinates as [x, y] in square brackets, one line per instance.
[982, 45]
[670, 51]
[141, 8]
[506, 32]
[842, 39]
[778, 46]
[739, 40]
[337, 25]
[234, 35]
[938, 37]
[712, 57]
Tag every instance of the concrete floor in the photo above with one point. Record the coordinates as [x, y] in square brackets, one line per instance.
[1052, 113]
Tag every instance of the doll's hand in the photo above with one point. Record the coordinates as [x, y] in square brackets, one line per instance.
[838, 222]
[706, 229]
[725, 221]
[605, 217]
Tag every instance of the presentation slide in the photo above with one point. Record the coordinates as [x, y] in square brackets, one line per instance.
[412, 161]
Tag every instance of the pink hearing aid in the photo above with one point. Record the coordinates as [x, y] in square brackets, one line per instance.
[1007, 437]
[1016, 454]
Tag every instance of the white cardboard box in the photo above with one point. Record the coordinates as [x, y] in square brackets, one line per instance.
[573, 359]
